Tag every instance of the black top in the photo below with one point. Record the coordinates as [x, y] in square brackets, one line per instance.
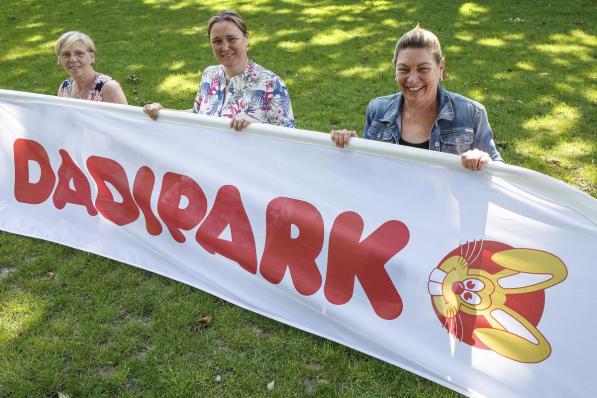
[422, 145]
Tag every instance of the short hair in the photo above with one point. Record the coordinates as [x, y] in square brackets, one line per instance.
[419, 38]
[228, 16]
[73, 36]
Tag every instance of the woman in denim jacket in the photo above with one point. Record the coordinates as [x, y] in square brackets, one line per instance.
[423, 114]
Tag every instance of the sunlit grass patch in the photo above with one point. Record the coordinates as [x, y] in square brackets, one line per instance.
[337, 36]
[582, 53]
[19, 310]
[590, 94]
[291, 45]
[470, 9]
[362, 72]
[17, 53]
[492, 42]
[100, 328]
[560, 120]
[464, 36]
[179, 84]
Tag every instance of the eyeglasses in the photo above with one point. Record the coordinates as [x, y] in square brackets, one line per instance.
[78, 54]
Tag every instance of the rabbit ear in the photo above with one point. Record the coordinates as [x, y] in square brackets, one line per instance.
[533, 270]
[514, 337]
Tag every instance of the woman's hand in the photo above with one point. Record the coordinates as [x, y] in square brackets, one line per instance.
[239, 123]
[474, 159]
[342, 137]
[153, 110]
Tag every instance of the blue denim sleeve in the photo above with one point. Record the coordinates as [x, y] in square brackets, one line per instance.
[484, 136]
[368, 118]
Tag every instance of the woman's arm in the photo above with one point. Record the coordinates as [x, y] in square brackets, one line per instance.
[112, 92]
[280, 112]
[483, 139]
[483, 149]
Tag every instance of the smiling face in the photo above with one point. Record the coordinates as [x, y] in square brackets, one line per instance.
[418, 74]
[229, 45]
[76, 59]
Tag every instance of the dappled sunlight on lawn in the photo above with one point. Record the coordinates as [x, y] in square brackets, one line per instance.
[531, 64]
[453, 49]
[590, 94]
[19, 310]
[507, 75]
[184, 84]
[335, 10]
[573, 148]
[470, 9]
[285, 32]
[560, 120]
[291, 45]
[364, 72]
[565, 87]
[464, 36]
[492, 42]
[476, 94]
[35, 38]
[182, 4]
[578, 51]
[193, 30]
[18, 52]
[525, 65]
[255, 7]
[337, 36]
[176, 65]
[576, 36]
[514, 36]
[33, 25]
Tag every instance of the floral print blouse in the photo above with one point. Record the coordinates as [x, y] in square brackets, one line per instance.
[257, 93]
[95, 91]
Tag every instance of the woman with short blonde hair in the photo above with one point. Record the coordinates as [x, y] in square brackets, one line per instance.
[76, 55]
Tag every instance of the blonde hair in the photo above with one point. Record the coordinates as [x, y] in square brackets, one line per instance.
[419, 38]
[228, 16]
[71, 37]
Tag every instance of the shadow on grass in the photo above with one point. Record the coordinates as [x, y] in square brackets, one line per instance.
[77, 323]
[531, 64]
[523, 63]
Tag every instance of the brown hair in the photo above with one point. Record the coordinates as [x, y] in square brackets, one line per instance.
[419, 38]
[228, 16]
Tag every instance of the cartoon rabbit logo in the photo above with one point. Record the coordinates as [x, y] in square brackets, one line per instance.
[491, 296]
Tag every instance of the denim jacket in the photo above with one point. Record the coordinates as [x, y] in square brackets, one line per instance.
[461, 124]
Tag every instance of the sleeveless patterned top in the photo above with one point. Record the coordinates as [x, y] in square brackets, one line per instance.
[95, 91]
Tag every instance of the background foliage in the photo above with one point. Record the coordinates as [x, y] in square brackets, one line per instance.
[75, 323]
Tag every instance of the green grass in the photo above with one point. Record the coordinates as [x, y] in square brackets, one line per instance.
[76, 323]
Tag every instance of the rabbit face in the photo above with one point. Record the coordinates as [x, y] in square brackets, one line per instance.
[491, 296]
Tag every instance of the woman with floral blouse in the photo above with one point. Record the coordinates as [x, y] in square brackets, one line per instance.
[237, 88]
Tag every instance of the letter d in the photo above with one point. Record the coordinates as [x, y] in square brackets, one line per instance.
[26, 191]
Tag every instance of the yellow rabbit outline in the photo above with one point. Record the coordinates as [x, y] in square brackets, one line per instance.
[510, 334]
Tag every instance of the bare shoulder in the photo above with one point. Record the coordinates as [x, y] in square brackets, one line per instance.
[112, 92]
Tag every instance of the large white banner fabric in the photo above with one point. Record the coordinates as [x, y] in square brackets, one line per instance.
[483, 282]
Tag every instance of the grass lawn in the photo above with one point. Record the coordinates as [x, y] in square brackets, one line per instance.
[78, 324]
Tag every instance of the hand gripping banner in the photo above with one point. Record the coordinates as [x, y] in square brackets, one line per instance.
[483, 282]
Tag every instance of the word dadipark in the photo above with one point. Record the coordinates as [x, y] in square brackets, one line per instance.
[349, 256]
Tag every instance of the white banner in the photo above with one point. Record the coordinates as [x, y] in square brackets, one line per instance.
[482, 282]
